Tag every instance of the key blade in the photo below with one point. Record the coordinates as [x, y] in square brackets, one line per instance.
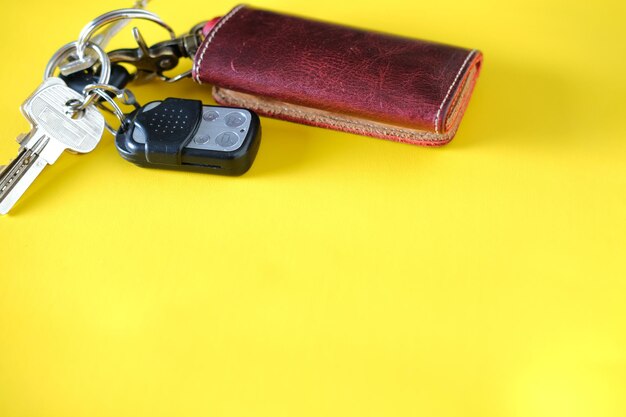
[20, 174]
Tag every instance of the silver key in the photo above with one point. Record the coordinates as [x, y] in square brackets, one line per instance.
[53, 131]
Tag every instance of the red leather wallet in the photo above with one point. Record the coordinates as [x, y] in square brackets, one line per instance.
[338, 77]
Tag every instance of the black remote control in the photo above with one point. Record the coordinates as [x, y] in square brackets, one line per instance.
[187, 135]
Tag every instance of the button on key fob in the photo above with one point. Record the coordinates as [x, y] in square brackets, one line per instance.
[187, 135]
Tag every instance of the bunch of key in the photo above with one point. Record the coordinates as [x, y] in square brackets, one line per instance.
[54, 130]
[65, 111]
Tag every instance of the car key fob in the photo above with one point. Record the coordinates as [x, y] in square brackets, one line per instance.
[186, 135]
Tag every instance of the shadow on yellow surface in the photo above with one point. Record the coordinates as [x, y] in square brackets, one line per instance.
[521, 107]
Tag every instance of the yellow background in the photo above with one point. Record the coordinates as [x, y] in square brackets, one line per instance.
[342, 276]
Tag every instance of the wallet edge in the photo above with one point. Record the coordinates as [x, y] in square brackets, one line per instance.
[336, 121]
[459, 93]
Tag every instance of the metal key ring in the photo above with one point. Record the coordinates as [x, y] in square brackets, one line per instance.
[116, 110]
[123, 14]
[70, 48]
[125, 95]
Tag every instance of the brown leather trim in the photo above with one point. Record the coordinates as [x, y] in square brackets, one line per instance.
[322, 118]
[461, 99]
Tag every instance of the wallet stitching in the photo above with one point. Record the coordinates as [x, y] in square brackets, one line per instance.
[458, 74]
[212, 37]
[342, 122]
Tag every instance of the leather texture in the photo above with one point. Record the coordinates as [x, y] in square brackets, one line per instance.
[338, 77]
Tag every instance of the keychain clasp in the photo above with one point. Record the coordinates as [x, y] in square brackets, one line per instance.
[154, 61]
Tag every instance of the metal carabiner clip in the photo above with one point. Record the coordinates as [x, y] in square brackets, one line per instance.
[154, 61]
